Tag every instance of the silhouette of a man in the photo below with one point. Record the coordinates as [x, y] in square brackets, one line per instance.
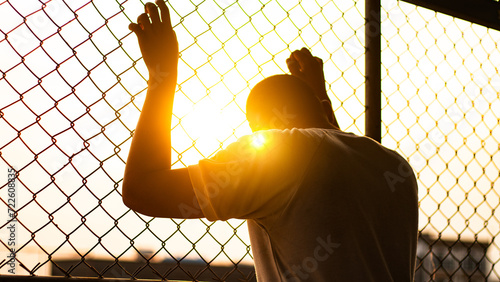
[321, 204]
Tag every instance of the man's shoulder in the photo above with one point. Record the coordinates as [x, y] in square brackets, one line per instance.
[327, 138]
[350, 145]
[262, 143]
[309, 140]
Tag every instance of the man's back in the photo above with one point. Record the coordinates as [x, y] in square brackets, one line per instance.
[352, 218]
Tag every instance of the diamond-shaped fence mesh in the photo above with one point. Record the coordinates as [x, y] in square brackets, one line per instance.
[441, 110]
[73, 83]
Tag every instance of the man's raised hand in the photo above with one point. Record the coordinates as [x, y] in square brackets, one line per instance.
[158, 42]
[305, 66]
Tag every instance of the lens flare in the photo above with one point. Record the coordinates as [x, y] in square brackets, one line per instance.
[259, 140]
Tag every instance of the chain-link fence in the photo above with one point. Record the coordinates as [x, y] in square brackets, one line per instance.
[441, 110]
[73, 82]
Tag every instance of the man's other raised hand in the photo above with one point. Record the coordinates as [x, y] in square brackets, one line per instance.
[305, 66]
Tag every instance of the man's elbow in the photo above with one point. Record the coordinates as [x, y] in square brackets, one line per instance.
[141, 200]
[161, 194]
[136, 205]
[126, 198]
[128, 203]
[129, 194]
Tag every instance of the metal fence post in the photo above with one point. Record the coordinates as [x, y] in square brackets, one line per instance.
[373, 90]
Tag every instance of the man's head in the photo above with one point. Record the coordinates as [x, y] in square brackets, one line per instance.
[285, 101]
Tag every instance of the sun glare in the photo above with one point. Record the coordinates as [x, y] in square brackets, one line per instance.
[258, 140]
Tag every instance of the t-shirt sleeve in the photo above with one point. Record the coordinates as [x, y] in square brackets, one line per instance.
[253, 177]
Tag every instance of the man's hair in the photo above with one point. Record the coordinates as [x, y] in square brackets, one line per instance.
[282, 101]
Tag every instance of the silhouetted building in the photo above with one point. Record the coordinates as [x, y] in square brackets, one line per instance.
[440, 259]
[183, 270]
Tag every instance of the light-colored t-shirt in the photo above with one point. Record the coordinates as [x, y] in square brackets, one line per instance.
[320, 204]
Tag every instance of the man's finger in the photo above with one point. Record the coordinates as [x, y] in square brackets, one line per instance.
[165, 13]
[143, 21]
[303, 55]
[135, 28]
[319, 62]
[306, 51]
[293, 66]
[305, 59]
[152, 10]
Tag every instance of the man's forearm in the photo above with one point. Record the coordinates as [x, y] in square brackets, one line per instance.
[151, 145]
[149, 185]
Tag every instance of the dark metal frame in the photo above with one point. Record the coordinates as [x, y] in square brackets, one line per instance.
[21, 278]
[482, 12]
[373, 75]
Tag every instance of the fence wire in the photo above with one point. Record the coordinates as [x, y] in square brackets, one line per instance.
[73, 82]
[441, 110]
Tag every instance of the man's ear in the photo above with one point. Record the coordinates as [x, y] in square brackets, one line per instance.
[327, 108]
